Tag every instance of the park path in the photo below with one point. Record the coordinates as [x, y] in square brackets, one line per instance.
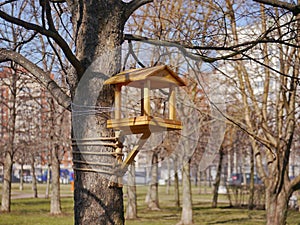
[30, 195]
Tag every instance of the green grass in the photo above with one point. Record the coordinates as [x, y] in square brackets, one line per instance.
[36, 211]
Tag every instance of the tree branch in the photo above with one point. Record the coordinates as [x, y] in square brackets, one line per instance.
[295, 183]
[7, 2]
[295, 9]
[43, 77]
[134, 5]
[57, 1]
[54, 35]
[192, 55]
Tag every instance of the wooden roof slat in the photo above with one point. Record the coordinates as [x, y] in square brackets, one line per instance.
[157, 73]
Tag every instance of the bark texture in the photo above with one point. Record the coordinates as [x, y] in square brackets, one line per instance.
[152, 196]
[251, 194]
[34, 181]
[21, 187]
[55, 207]
[218, 179]
[131, 210]
[176, 184]
[98, 27]
[277, 207]
[187, 211]
[6, 188]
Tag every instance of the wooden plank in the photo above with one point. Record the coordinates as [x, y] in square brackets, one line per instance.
[147, 107]
[142, 124]
[131, 76]
[129, 159]
[142, 102]
[172, 103]
[118, 99]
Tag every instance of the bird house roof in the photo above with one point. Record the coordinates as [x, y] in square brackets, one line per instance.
[160, 77]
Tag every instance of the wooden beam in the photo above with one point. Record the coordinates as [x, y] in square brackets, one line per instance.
[142, 102]
[172, 103]
[135, 150]
[118, 99]
[147, 108]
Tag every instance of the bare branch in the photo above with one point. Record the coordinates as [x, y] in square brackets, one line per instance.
[295, 183]
[58, 1]
[54, 35]
[193, 55]
[43, 77]
[295, 9]
[134, 5]
[7, 2]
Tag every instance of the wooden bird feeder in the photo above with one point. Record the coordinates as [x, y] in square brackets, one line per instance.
[146, 79]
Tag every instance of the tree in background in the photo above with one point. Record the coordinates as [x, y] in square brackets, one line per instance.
[268, 94]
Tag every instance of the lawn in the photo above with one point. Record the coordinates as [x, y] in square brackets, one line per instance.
[31, 211]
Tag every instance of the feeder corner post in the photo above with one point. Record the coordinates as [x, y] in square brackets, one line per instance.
[172, 103]
[118, 100]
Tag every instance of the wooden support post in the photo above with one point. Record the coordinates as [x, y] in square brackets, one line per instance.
[146, 102]
[142, 102]
[129, 159]
[118, 99]
[172, 103]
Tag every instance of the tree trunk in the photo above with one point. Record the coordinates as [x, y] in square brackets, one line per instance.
[34, 184]
[276, 207]
[205, 180]
[48, 181]
[168, 185]
[195, 175]
[187, 211]
[6, 188]
[218, 179]
[209, 177]
[176, 184]
[131, 210]
[21, 178]
[9, 152]
[199, 179]
[251, 194]
[98, 27]
[55, 207]
[152, 200]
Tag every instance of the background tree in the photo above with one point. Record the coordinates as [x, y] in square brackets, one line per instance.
[271, 134]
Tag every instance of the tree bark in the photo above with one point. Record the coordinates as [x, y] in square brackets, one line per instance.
[218, 179]
[34, 184]
[9, 152]
[176, 184]
[98, 27]
[6, 188]
[251, 194]
[131, 210]
[21, 178]
[199, 179]
[48, 180]
[187, 211]
[276, 207]
[55, 207]
[152, 200]
[168, 184]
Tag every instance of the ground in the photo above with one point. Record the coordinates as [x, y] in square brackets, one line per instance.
[29, 211]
